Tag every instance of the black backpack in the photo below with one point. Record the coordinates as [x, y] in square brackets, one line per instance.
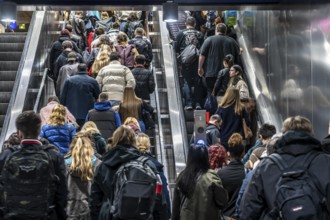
[142, 47]
[134, 194]
[298, 194]
[132, 26]
[29, 183]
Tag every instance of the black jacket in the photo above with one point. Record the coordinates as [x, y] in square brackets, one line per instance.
[79, 94]
[186, 37]
[104, 118]
[61, 192]
[104, 174]
[293, 146]
[145, 83]
[212, 134]
[232, 177]
[222, 82]
[57, 49]
[147, 52]
[63, 60]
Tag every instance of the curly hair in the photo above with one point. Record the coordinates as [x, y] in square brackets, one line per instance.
[143, 142]
[90, 128]
[236, 146]
[57, 117]
[82, 153]
[217, 156]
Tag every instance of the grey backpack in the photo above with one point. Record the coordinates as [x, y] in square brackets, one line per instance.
[189, 54]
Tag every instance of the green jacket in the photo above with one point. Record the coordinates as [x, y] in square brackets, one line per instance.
[208, 199]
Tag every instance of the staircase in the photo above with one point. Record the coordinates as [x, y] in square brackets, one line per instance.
[11, 48]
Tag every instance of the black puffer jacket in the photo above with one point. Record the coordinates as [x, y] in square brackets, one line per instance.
[259, 196]
[145, 83]
[222, 82]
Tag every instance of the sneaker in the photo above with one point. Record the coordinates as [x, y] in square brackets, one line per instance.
[188, 107]
[198, 107]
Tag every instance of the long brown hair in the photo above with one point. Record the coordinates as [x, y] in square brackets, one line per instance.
[131, 105]
[232, 98]
[123, 135]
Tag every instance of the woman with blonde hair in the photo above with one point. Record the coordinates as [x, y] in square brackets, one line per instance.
[132, 106]
[232, 112]
[57, 131]
[143, 144]
[102, 59]
[91, 130]
[81, 163]
[134, 124]
[130, 50]
[102, 40]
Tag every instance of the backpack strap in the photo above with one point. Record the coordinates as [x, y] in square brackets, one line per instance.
[278, 160]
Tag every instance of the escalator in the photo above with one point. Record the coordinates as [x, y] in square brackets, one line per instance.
[11, 49]
[23, 60]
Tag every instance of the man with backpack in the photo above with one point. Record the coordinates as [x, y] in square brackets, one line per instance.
[126, 185]
[33, 182]
[188, 42]
[142, 45]
[292, 183]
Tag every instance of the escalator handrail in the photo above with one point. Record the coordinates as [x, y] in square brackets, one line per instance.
[266, 109]
[41, 91]
[180, 144]
[24, 73]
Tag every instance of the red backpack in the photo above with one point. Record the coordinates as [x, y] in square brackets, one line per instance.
[126, 55]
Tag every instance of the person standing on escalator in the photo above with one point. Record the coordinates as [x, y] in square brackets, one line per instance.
[187, 41]
[212, 53]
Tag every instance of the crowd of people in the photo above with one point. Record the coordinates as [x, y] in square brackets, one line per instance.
[86, 156]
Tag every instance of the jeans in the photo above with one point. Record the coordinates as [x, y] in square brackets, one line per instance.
[192, 84]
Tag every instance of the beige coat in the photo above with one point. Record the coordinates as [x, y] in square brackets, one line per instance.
[113, 79]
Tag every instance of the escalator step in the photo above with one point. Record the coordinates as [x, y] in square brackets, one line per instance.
[8, 75]
[2, 120]
[12, 38]
[189, 115]
[6, 86]
[5, 97]
[10, 56]
[9, 65]
[3, 108]
[5, 47]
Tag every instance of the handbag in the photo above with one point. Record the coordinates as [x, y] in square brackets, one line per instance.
[247, 131]
[211, 104]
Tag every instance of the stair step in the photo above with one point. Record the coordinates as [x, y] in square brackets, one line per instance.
[2, 120]
[6, 86]
[8, 75]
[12, 38]
[10, 56]
[9, 65]
[3, 108]
[5, 97]
[17, 47]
